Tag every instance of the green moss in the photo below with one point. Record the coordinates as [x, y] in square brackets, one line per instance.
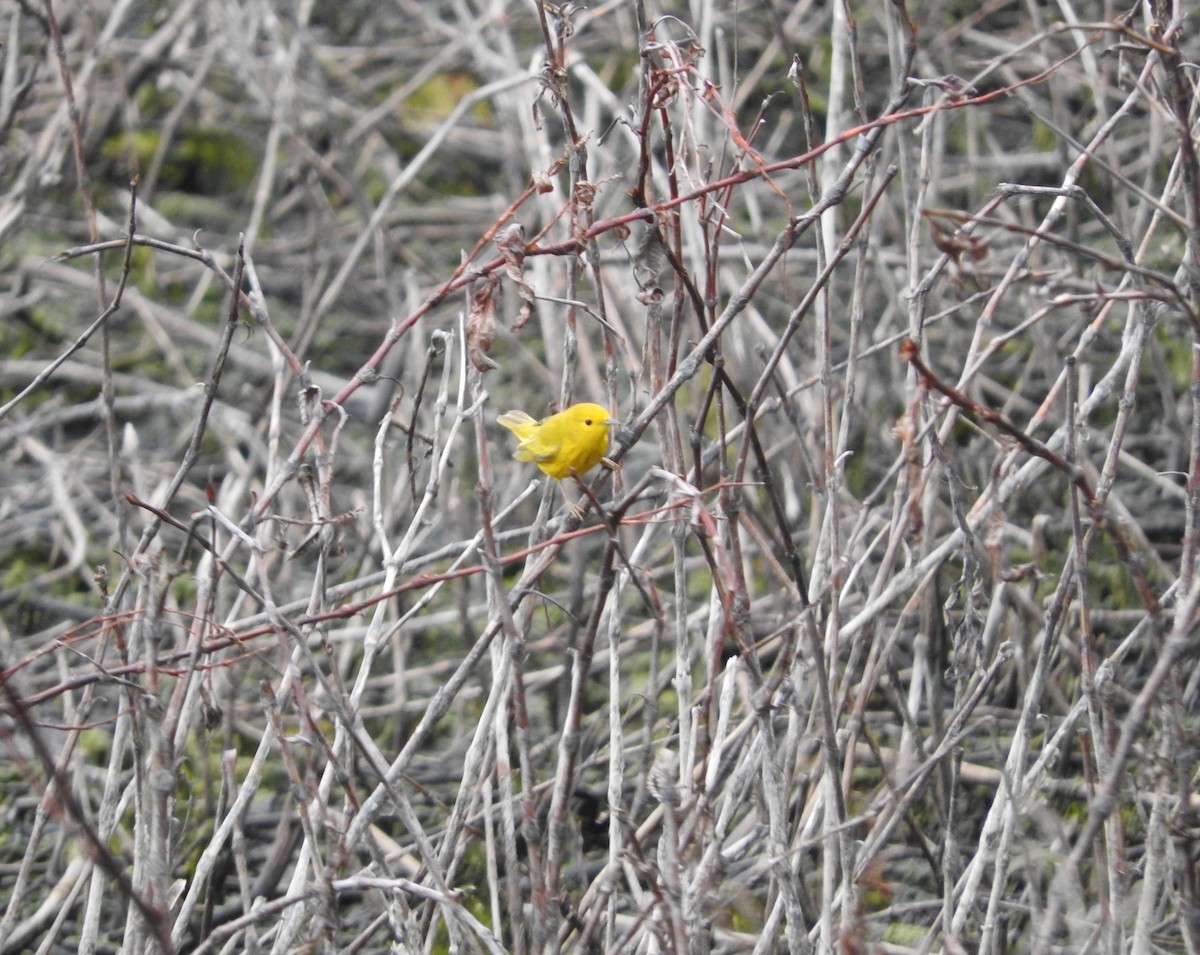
[905, 934]
[95, 744]
[137, 145]
[220, 161]
[202, 161]
[618, 70]
[746, 913]
[1177, 357]
[184, 589]
[155, 100]
[20, 568]
[1044, 138]
[439, 96]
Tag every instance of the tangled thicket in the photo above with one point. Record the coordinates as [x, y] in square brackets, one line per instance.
[879, 637]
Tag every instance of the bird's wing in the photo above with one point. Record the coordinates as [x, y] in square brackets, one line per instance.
[537, 448]
[517, 421]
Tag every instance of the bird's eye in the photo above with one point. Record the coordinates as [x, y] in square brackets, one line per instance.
[587, 420]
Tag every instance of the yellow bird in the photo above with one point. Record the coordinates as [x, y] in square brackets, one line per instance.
[574, 439]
